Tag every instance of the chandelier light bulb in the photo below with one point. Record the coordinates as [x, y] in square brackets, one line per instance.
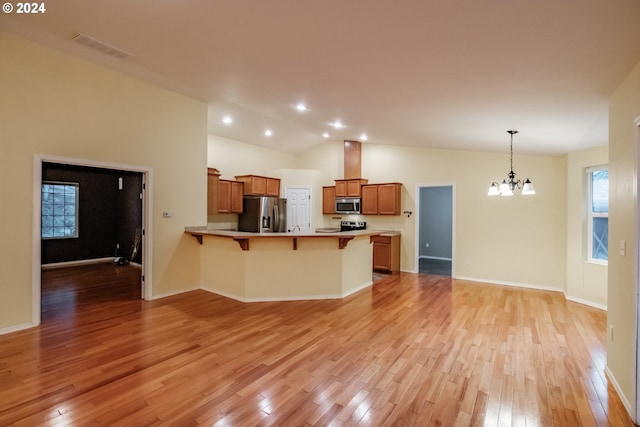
[527, 188]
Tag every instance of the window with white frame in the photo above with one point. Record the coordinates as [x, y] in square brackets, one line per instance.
[598, 214]
[59, 210]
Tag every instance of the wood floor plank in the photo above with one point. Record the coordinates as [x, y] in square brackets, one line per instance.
[413, 350]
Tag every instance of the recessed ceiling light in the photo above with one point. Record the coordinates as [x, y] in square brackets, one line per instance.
[267, 132]
[337, 124]
[301, 107]
[227, 120]
[325, 135]
[363, 137]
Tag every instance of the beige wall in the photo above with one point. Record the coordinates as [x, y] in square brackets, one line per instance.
[624, 108]
[311, 178]
[233, 158]
[586, 282]
[55, 105]
[497, 239]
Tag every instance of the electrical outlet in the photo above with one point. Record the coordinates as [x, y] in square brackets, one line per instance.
[426, 245]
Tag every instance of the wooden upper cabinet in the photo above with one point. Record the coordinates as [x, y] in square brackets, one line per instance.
[381, 199]
[213, 178]
[352, 159]
[273, 187]
[237, 193]
[389, 198]
[328, 200]
[224, 196]
[229, 196]
[255, 185]
[369, 204]
[349, 187]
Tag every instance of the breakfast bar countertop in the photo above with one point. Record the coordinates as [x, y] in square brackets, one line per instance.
[243, 237]
[205, 231]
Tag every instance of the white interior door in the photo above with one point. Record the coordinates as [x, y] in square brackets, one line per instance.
[298, 208]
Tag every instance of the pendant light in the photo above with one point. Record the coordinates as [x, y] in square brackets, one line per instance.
[508, 186]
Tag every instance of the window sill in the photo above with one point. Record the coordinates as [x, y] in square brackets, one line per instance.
[597, 262]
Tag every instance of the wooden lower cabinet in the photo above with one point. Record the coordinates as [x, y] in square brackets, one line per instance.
[386, 252]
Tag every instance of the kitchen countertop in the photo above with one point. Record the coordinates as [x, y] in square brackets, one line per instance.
[203, 230]
[390, 233]
[242, 237]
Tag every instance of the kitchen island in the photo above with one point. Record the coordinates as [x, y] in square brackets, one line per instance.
[284, 266]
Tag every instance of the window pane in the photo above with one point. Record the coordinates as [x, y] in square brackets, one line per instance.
[59, 210]
[600, 191]
[600, 248]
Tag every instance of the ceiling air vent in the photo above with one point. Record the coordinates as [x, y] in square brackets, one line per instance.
[101, 46]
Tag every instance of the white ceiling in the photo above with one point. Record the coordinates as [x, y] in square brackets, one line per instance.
[439, 73]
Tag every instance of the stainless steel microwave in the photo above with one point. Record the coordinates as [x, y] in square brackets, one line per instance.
[348, 205]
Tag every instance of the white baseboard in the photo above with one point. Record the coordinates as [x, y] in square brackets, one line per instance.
[585, 302]
[616, 386]
[357, 289]
[291, 297]
[513, 284]
[170, 294]
[541, 288]
[77, 262]
[225, 294]
[15, 328]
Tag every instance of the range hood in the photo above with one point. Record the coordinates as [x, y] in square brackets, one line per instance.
[352, 159]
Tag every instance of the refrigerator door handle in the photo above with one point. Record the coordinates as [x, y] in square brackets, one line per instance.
[276, 218]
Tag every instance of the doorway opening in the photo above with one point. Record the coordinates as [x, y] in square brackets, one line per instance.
[98, 246]
[435, 230]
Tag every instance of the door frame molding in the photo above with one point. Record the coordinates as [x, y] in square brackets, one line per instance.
[636, 410]
[147, 215]
[453, 224]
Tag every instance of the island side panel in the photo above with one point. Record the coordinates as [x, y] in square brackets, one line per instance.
[357, 260]
[222, 267]
[276, 272]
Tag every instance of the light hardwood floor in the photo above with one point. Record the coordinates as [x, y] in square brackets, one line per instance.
[415, 350]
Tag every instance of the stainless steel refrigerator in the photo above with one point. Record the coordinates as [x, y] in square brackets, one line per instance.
[263, 214]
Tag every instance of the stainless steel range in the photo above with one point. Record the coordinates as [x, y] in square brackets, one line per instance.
[352, 225]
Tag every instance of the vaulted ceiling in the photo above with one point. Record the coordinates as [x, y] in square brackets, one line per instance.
[448, 74]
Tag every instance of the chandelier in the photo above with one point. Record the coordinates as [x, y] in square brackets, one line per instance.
[507, 187]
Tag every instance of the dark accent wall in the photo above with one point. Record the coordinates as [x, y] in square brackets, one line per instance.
[106, 215]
